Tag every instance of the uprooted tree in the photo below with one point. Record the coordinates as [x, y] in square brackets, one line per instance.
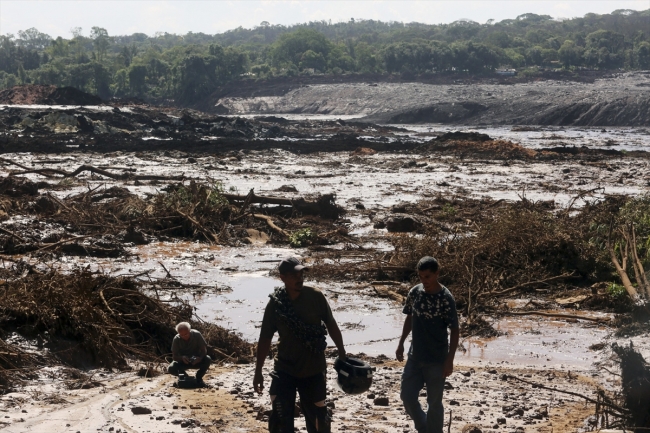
[628, 243]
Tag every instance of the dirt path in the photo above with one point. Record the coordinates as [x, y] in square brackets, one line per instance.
[475, 395]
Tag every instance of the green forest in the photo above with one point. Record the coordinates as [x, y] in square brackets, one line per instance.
[187, 68]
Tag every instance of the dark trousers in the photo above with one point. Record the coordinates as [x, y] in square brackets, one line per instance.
[283, 394]
[177, 368]
[415, 376]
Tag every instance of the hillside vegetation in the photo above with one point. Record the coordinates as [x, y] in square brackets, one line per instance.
[187, 68]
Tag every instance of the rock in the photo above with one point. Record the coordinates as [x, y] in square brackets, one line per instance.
[472, 428]
[191, 160]
[454, 403]
[402, 224]
[44, 204]
[492, 371]
[409, 164]
[542, 410]
[448, 385]
[381, 401]
[359, 206]
[287, 188]
[501, 420]
[256, 237]
[371, 395]
[363, 151]
[135, 236]
[140, 410]
[379, 224]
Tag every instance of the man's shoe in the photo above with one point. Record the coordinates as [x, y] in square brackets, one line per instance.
[201, 384]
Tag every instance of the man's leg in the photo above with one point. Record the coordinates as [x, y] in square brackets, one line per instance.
[313, 391]
[176, 368]
[435, 380]
[283, 401]
[203, 367]
[412, 383]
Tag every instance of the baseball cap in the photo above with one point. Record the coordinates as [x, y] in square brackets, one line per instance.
[290, 264]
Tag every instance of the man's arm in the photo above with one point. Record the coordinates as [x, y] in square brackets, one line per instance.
[453, 346]
[406, 330]
[176, 356]
[263, 348]
[202, 353]
[337, 338]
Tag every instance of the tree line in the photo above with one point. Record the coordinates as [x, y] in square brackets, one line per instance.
[187, 68]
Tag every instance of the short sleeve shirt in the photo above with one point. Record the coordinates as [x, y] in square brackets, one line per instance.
[293, 357]
[191, 347]
[432, 315]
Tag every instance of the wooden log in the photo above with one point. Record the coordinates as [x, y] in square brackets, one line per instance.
[271, 224]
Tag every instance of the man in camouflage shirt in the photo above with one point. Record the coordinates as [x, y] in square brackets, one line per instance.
[430, 311]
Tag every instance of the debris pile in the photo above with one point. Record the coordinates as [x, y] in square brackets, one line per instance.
[491, 250]
[86, 319]
[474, 145]
[100, 222]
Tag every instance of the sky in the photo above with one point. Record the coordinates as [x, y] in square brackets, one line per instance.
[57, 18]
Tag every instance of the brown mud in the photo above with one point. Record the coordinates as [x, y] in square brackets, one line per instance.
[520, 232]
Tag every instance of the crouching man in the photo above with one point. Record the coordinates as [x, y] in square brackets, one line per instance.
[302, 317]
[430, 312]
[189, 350]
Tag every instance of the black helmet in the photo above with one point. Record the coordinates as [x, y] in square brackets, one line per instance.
[354, 375]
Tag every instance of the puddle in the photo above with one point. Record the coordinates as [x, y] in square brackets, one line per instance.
[539, 342]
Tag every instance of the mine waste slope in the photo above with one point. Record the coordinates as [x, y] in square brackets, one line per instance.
[614, 100]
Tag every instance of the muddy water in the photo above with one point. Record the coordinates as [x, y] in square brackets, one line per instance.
[619, 138]
[237, 281]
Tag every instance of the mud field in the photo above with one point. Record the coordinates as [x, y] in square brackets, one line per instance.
[188, 213]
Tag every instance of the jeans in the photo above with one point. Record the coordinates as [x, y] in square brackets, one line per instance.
[312, 392]
[415, 376]
[176, 367]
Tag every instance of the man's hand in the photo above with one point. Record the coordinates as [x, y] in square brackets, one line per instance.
[342, 355]
[185, 360]
[258, 382]
[448, 367]
[197, 360]
[399, 353]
